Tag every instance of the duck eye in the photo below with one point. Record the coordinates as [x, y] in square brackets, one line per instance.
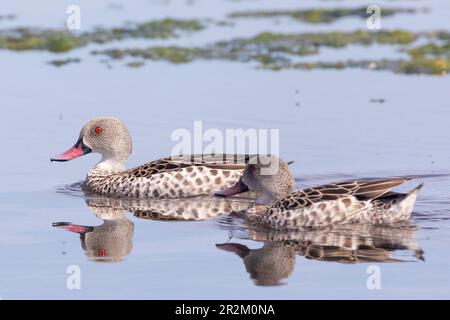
[98, 130]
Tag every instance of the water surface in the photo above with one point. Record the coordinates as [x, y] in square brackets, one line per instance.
[328, 125]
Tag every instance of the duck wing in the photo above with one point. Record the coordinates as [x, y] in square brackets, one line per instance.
[155, 167]
[370, 189]
[222, 161]
[363, 190]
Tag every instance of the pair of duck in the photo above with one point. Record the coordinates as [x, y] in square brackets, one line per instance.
[279, 206]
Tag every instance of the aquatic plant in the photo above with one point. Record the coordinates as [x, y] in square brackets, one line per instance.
[63, 62]
[172, 54]
[317, 15]
[277, 51]
[269, 49]
[135, 64]
[20, 39]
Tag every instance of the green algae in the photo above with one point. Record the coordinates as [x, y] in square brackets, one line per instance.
[438, 66]
[431, 50]
[266, 48]
[277, 51]
[60, 42]
[413, 66]
[318, 15]
[172, 54]
[430, 58]
[136, 64]
[339, 39]
[21, 39]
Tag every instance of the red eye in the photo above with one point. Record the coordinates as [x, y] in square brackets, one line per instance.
[98, 130]
[101, 252]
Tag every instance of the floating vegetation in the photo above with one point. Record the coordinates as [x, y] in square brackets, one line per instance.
[278, 51]
[63, 62]
[433, 50]
[335, 39]
[436, 66]
[318, 15]
[413, 66]
[274, 51]
[135, 64]
[431, 58]
[172, 54]
[21, 39]
[266, 48]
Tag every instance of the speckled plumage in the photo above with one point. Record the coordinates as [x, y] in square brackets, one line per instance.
[174, 177]
[351, 202]
[165, 179]
[340, 203]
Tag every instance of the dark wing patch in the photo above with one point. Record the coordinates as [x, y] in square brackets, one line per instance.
[154, 167]
[363, 190]
[211, 159]
[219, 161]
[375, 189]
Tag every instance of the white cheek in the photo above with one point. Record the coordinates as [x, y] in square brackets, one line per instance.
[87, 143]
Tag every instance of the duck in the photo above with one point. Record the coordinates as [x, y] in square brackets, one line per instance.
[166, 178]
[365, 201]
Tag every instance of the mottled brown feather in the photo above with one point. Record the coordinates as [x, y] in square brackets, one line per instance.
[222, 162]
[362, 190]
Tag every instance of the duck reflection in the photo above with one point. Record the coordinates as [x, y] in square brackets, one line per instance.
[275, 261]
[267, 266]
[112, 241]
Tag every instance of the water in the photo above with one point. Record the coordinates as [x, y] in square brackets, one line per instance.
[327, 123]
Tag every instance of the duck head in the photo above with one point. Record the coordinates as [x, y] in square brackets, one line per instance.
[106, 136]
[266, 174]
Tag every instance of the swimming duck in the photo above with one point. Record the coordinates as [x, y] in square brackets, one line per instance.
[172, 177]
[349, 202]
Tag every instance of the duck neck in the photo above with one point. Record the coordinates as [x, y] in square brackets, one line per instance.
[108, 166]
